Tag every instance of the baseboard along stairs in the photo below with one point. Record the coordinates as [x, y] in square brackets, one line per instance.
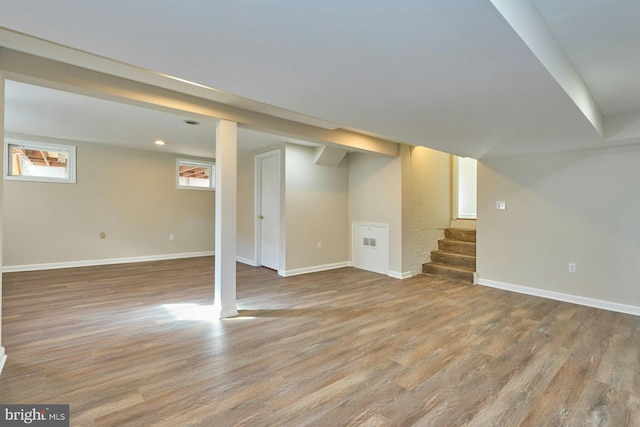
[455, 258]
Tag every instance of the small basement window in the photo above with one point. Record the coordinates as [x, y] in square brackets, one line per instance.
[39, 161]
[195, 175]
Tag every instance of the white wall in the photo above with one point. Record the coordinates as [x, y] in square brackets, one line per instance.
[130, 195]
[411, 193]
[245, 248]
[375, 195]
[581, 207]
[316, 210]
[245, 244]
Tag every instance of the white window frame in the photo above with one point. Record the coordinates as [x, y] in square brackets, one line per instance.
[199, 163]
[71, 161]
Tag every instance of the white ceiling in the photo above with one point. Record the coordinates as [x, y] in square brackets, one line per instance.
[451, 75]
[37, 113]
[602, 39]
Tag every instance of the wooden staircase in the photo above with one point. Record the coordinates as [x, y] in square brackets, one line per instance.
[455, 257]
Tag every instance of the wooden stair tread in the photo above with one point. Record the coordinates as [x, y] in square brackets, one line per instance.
[457, 246]
[455, 254]
[458, 274]
[451, 267]
[460, 234]
[459, 242]
[455, 258]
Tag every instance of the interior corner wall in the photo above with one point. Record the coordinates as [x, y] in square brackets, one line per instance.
[316, 210]
[375, 195]
[426, 203]
[246, 233]
[129, 194]
[580, 207]
[245, 246]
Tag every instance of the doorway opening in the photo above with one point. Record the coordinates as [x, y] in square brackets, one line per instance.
[465, 191]
[267, 209]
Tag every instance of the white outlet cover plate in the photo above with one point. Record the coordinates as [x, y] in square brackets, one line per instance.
[501, 205]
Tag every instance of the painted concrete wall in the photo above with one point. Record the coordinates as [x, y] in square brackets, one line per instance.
[580, 207]
[426, 203]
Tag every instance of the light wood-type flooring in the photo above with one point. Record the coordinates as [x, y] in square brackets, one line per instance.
[135, 345]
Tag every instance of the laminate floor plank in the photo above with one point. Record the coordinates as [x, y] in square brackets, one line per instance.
[135, 345]
[634, 409]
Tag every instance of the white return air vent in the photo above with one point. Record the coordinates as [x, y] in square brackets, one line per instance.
[370, 246]
[369, 241]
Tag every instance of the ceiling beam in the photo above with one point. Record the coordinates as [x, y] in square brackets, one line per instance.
[41, 71]
[525, 18]
[47, 49]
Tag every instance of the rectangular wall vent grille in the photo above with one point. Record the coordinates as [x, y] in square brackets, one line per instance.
[369, 242]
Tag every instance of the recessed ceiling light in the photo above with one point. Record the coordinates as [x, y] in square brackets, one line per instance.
[192, 122]
[159, 142]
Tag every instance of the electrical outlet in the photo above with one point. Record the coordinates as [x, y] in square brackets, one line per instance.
[572, 267]
[319, 245]
[103, 235]
[501, 205]
[172, 237]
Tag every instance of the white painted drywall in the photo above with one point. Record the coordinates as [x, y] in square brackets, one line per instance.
[580, 207]
[130, 195]
[245, 248]
[375, 184]
[316, 211]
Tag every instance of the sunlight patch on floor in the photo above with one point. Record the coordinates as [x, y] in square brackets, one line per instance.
[190, 311]
[195, 312]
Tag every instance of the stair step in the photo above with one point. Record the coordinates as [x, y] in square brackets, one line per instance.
[450, 258]
[459, 274]
[455, 258]
[458, 247]
[461, 234]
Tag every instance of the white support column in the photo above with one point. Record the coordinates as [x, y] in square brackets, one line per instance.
[3, 356]
[226, 200]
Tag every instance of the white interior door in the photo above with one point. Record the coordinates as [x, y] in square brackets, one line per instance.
[269, 215]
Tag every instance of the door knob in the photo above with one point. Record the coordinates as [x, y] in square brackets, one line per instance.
[261, 217]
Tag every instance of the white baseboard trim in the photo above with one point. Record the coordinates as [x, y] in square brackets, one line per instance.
[247, 261]
[558, 296]
[94, 262]
[3, 358]
[313, 269]
[398, 275]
